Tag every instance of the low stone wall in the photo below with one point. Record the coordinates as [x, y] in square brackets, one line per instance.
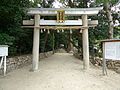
[77, 55]
[111, 64]
[114, 65]
[23, 60]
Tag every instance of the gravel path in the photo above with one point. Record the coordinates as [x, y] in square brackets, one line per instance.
[60, 72]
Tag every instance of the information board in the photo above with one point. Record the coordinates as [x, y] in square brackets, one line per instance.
[112, 50]
[3, 50]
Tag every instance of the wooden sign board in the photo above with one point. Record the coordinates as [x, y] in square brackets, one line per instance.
[112, 50]
[60, 16]
[3, 50]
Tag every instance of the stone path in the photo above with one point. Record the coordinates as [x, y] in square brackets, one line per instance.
[60, 72]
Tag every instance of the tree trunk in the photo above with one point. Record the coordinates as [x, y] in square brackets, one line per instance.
[79, 41]
[85, 3]
[70, 41]
[71, 4]
[110, 20]
[46, 37]
[43, 4]
[53, 45]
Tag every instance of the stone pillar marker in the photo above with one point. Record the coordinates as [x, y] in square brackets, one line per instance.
[85, 43]
[36, 37]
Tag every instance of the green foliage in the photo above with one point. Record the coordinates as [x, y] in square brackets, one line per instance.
[98, 33]
[5, 39]
[11, 13]
[112, 2]
[103, 1]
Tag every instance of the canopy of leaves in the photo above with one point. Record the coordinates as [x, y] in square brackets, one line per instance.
[12, 12]
[105, 1]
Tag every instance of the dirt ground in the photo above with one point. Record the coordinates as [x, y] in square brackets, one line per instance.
[60, 72]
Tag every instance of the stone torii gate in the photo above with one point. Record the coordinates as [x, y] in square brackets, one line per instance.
[61, 23]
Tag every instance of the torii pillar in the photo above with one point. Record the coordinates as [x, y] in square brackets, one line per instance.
[36, 37]
[85, 42]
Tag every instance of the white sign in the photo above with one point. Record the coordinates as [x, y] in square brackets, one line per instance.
[3, 54]
[3, 50]
[112, 50]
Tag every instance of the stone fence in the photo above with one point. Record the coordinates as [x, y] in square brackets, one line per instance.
[23, 60]
[97, 61]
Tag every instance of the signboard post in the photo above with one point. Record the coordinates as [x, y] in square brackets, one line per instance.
[104, 61]
[3, 54]
[111, 51]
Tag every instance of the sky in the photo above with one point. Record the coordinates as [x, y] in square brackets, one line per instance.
[116, 8]
[57, 4]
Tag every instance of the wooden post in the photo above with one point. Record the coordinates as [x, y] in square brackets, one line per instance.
[104, 67]
[1, 62]
[5, 65]
[85, 42]
[36, 44]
